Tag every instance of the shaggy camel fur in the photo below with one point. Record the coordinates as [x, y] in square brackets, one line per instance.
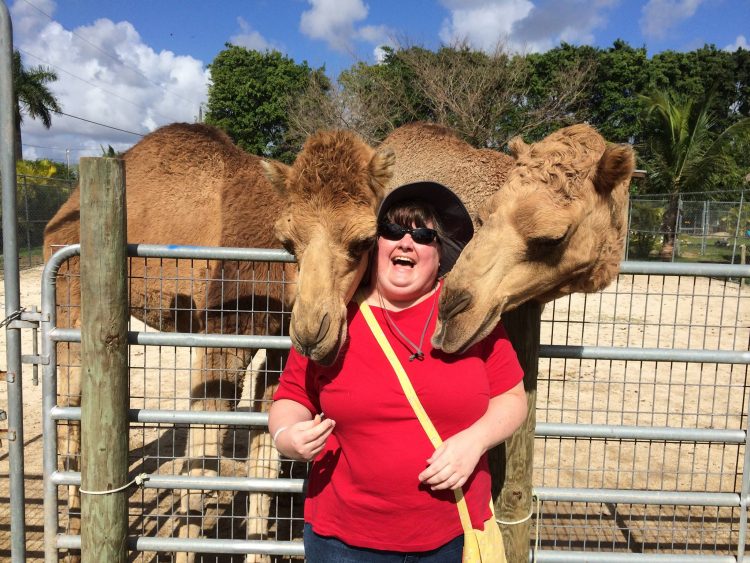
[556, 227]
[189, 185]
[425, 151]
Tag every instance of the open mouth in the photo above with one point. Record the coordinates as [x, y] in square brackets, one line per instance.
[403, 261]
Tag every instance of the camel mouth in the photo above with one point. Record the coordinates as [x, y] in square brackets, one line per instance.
[328, 355]
[457, 345]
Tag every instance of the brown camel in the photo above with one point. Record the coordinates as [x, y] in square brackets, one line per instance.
[190, 185]
[425, 151]
[556, 227]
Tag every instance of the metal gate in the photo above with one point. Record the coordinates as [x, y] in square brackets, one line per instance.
[641, 441]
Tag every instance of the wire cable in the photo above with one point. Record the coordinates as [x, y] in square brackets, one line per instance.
[111, 56]
[167, 118]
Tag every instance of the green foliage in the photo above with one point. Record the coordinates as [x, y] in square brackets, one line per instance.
[645, 220]
[249, 97]
[41, 189]
[687, 153]
[32, 96]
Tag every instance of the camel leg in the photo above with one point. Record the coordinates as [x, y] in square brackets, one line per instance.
[216, 385]
[264, 459]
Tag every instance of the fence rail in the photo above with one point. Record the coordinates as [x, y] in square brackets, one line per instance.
[631, 497]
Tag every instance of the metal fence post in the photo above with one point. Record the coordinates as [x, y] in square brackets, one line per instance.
[737, 227]
[28, 219]
[12, 291]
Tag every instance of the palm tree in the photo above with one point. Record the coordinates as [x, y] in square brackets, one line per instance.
[686, 153]
[33, 98]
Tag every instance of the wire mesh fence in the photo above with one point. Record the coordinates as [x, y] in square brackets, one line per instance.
[37, 200]
[710, 227]
[622, 485]
[639, 311]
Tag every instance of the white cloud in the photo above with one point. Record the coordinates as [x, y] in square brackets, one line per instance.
[337, 22]
[251, 39]
[739, 43]
[661, 15]
[523, 25]
[333, 21]
[108, 75]
[483, 23]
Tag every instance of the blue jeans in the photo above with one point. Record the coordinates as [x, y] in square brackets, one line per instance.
[320, 549]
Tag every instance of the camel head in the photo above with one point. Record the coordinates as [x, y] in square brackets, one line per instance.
[557, 226]
[331, 192]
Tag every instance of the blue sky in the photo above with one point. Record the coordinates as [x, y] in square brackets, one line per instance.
[135, 65]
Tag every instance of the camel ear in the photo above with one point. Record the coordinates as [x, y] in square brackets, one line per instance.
[517, 147]
[276, 173]
[381, 170]
[615, 167]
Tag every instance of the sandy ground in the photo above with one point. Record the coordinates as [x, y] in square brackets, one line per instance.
[639, 311]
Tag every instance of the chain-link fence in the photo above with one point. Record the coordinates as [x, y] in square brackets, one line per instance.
[709, 227]
[37, 201]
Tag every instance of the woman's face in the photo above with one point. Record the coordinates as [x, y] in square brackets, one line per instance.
[404, 270]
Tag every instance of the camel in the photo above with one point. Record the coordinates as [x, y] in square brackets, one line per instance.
[425, 151]
[557, 226]
[190, 185]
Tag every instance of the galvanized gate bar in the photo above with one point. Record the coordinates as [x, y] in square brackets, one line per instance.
[590, 557]
[666, 433]
[209, 252]
[645, 497]
[12, 292]
[49, 397]
[189, 340]
[685, 269]
[186, 339]
[156, 481]
[238, 547]
[176, 417]
[543, 429]
[630, 496]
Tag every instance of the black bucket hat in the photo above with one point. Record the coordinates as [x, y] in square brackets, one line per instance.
[451, 213]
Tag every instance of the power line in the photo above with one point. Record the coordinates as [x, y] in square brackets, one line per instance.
[57, 148]
[113, 57]
[94, 85]
[100, 124]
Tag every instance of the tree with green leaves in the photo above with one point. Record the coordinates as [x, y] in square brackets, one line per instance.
[485, 97]
[250, 94]
[33, 97]
[687, 153]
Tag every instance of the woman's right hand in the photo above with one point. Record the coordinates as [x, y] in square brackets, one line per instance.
[303, 441]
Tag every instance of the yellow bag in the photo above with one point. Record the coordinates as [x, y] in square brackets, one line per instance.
[480, 546]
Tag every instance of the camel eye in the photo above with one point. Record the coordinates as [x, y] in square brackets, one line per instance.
[547, 242]
[544, 248]
[358, 247]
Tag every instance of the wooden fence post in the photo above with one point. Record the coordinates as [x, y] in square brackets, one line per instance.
[104, 384]
[512, 463]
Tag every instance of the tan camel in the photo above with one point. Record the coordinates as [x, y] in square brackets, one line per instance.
[189, 185]
[556, 227]
[425, 151]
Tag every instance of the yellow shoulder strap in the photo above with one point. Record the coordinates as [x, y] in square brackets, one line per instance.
[411, 395]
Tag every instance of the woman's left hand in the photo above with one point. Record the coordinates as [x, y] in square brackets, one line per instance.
[451, 465]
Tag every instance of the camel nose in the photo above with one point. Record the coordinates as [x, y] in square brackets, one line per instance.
[307, 336]
[451, 304]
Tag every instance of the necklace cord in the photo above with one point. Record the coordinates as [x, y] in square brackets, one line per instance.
[418, 354]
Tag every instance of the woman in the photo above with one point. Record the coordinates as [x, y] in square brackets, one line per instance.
[377, 489]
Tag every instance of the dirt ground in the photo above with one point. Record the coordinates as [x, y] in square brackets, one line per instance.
[640, 311]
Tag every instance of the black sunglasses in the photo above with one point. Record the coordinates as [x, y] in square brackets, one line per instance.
[420, 235]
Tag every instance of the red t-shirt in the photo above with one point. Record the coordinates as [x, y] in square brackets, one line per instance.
[363, 487]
